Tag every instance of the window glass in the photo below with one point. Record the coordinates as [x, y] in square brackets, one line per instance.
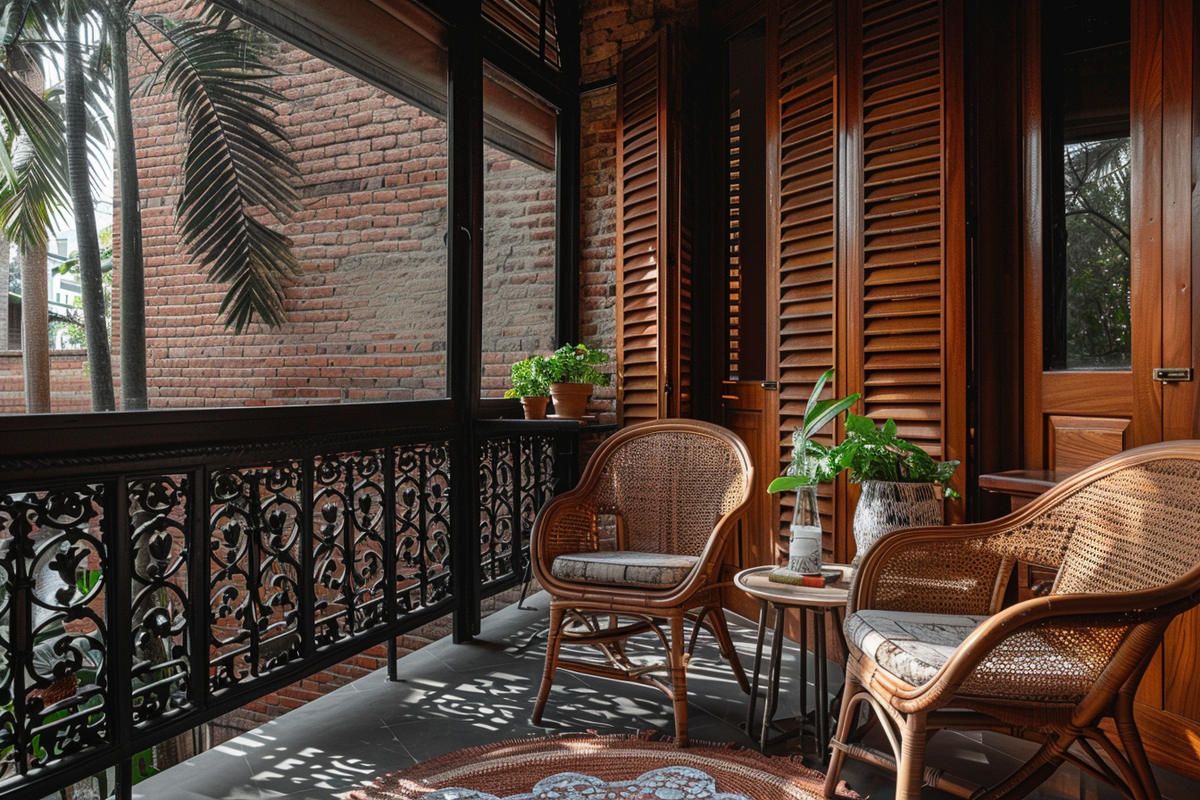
[519, 228]
[349, 270]
[1087, 292]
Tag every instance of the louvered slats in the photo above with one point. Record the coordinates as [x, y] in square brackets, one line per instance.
[807, 159]
[639, 175]
[902, 217]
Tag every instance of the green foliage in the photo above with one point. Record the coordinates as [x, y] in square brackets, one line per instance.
[878, 454]
[576, 363]
[1098, 265]
[236, 169]
[817, 414]
[530, 378]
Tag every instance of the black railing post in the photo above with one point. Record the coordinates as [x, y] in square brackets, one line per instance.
[391, 539]
[199, 569]
[306, 569]
[118, 590]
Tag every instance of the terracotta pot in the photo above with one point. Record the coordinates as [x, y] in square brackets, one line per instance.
[885, 506]
[570, 399]
[535, 407]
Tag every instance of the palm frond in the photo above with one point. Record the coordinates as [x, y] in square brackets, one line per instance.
[38, 161]
[236, 166]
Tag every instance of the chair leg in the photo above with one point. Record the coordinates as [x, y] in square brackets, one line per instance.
[553, 643]
[845, 725]
[910, 772]
[1131, 742]
[679, 680]
[720, 631]
[1034, 772]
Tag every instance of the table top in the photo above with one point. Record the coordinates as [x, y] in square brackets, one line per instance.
[754, 582]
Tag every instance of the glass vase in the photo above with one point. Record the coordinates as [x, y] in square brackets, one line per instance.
[804, 545]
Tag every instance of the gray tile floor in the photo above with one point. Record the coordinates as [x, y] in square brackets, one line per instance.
[456, 696]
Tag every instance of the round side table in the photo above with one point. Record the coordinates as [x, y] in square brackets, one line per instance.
[809, 600]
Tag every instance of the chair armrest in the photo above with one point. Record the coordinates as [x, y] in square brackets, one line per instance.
[939, 570]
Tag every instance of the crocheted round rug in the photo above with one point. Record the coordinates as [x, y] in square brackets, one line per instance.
[592, 767]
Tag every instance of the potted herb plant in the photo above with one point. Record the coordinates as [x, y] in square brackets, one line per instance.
[531, 383]
[902, 486]
[804, 544]
[573, 375]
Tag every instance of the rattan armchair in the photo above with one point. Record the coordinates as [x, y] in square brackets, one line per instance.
[668, 493]
[931, 646]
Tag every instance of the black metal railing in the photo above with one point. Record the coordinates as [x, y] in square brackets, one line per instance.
[146, 591]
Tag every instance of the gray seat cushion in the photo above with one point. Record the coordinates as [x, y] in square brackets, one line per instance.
[624, 568]
[910, 645]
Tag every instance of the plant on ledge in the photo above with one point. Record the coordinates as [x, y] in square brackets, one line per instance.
[576, 363]
[531, 382]
[573, 373]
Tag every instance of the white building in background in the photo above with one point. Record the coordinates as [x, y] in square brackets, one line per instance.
[63, 288]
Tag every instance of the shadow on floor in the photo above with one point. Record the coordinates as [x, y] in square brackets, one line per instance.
[457, 696]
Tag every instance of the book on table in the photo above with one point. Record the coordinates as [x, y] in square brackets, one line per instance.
[785, 575]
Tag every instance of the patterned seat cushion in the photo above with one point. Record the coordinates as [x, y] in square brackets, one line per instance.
[624, 568]
[910, 645]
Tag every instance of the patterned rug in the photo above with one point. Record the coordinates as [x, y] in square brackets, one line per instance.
[592, 767]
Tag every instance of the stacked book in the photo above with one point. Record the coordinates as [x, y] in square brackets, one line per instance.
[785, 575]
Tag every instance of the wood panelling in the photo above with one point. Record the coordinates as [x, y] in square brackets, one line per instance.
[744, 412]
[1145, 218]
[1078, 442]
[1107, 393]
[1181, 314]
[806, 327]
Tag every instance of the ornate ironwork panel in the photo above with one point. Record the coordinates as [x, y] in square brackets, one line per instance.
[516, 478]
[498, 504]
[349, 544]
[158, 527]
[255, 523]
[422, 503]
[54, 634]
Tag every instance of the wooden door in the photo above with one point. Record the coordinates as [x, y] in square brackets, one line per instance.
[1076, 417]
[654, 234]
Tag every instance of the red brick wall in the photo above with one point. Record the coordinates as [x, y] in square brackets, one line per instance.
[69, 388]
[367, 321]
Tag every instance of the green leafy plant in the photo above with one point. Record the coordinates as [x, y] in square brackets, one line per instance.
[576, 363]
[878, 454]
[530, 378]
[805, 452]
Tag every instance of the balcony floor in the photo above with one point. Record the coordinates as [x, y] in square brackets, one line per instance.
[456, 696]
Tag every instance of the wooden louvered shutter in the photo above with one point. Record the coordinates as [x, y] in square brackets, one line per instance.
[808, 158]
[654, 245]
[907, 330]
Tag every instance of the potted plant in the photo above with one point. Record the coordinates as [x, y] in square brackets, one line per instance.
[573, 375]
[531, 383]
[902, 486]
[804, 544]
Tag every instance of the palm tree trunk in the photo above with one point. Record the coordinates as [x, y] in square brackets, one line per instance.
[35, 293]
[133, 279]
[35, 329]
[90, 278]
